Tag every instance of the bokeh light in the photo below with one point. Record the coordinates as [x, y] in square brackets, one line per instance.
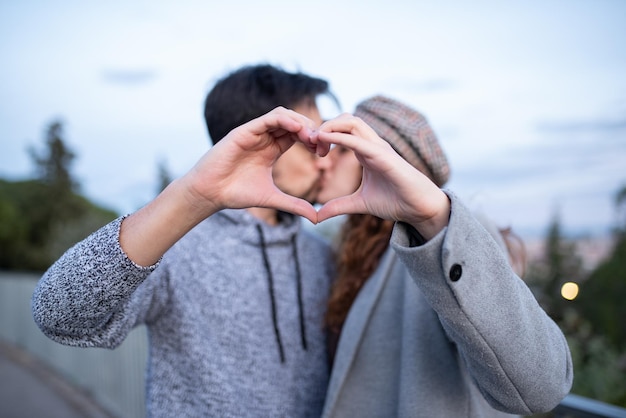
[569, 291]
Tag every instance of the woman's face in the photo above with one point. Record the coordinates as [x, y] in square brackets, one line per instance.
[343, 176]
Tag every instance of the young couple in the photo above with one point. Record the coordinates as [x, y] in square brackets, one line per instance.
[422, 315]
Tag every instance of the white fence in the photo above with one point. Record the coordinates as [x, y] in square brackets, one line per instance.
[114, 378]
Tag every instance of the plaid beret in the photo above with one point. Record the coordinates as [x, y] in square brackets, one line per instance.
[408, 133]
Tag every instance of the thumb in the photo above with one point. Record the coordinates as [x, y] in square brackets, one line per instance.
[340, 206]
[294, 205]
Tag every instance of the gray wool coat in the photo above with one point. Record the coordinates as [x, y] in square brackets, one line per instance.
[446, 329]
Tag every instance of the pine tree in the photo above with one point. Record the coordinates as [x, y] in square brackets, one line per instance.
[53, 164]
[52, 167]
[603, 294]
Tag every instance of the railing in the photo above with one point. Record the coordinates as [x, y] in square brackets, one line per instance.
[115, 378]
[574, 406]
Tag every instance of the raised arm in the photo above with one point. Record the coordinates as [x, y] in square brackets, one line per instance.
[517, 356]
[90, 296]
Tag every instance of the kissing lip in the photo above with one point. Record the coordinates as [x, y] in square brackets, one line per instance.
[326, 177]
[322, 182]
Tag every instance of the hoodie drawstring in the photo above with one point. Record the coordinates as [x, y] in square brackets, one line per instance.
[299, 289]
[270, 280]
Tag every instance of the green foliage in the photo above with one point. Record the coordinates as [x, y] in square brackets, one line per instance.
[41, 218]
[594, 322]
[602, 297]
[26, 224]
[35, 230]
[599, 367]
[603, 294]
[559, 264]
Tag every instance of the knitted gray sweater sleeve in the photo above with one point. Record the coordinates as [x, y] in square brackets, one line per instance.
[88, 297]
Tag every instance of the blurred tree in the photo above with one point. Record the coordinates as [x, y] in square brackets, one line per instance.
[53, 169]
[42, 217]
[559, 264]
[593, 323]
[28, 224]
[602, 296]
[53, 163]
[598, 365]
[620, 208]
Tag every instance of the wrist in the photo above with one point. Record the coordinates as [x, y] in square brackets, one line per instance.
[148, 233]
[186, 200]
[430, 226]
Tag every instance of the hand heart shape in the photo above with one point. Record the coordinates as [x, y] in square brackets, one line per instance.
[239, 171]
[265, 163]
[345, 191]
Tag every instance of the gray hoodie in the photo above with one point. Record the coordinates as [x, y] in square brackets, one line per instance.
[234, 312]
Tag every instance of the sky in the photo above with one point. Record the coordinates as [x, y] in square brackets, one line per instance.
[527, 98]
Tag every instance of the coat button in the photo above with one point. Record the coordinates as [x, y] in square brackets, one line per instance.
[455, 272]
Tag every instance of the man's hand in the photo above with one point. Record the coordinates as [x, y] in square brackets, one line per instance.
[235, 173]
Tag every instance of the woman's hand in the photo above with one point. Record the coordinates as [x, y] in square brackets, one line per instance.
[390, 188]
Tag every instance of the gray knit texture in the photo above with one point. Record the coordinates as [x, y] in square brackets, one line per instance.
[206, 304]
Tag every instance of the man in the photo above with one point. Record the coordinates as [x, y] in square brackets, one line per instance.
[233, 299]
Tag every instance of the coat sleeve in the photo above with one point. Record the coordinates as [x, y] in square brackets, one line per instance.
[517, 356]
[94, 294]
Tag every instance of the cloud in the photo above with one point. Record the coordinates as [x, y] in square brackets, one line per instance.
[564, 162]
[413, 86]
[581, 126]
[128, 77]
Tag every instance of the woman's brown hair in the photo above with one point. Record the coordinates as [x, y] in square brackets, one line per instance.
[363, 240]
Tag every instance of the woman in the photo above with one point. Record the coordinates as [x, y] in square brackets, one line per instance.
[429, 317]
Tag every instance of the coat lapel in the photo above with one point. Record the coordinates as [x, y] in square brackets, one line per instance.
[355, 326]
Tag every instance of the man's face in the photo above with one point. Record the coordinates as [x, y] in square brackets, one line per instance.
[297, 172]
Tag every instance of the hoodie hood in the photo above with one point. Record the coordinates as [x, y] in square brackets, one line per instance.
[289, 225]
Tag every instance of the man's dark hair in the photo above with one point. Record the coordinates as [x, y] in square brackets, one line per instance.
[252, 91]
